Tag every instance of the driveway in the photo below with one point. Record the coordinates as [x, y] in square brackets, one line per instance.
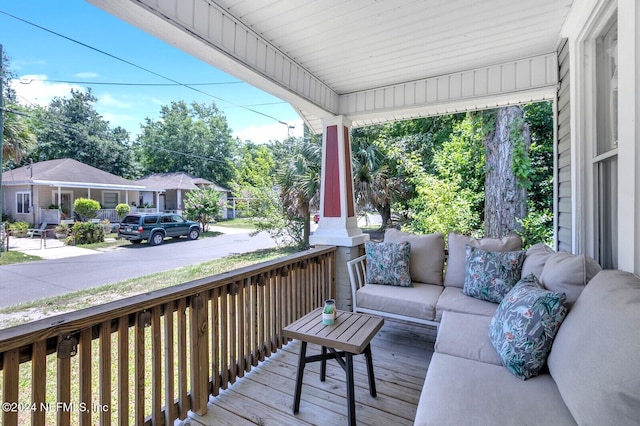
[24, 282]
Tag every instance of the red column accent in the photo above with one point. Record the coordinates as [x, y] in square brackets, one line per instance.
[332, 174]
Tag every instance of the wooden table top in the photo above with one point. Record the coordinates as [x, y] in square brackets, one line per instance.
[351, 332]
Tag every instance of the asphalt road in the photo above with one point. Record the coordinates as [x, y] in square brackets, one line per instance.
[24, 282]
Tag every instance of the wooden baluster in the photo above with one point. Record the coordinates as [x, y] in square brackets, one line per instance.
[215, 341]
[38, 382]
[156, 366]
[10, 370]
[169, 366]
[123, 370]
[199, 365]
[85, 374]
[142, 321]
[184, 403]
[105, 372]
[224, 336]
[63, 388]
[233, 333]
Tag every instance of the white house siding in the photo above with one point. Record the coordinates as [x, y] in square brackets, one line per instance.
[563, 153]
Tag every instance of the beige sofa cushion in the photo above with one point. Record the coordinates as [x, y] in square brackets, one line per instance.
[595, 355]
[454, 300]
[568, 273]
[535, 260]
[418, 301]
[466, 336]
[458, 391]
[427, 254]
[454, 276]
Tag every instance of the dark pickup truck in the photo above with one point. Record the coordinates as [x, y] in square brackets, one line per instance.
[155, 227]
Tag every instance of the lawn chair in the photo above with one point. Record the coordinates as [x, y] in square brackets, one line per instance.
[40, 232]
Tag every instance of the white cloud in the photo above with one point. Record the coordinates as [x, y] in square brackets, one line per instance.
[108, 100]
[32, 90]
[87, 75]
[271, 132]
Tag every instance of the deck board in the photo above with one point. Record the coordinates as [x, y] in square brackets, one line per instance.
[401, 353]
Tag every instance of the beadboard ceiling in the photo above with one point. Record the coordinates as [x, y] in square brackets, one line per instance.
[324, 56]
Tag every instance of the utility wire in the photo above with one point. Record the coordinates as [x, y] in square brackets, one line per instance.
[139, 66]
[30, 80]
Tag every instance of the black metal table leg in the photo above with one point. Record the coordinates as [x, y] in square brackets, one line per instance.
[323, 364]
[372, 379]
[351, 398]
[301, 364]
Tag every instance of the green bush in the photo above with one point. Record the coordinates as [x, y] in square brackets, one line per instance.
[122, 210]
[537, 227]
[87, 233]
[86, 208]
[18, 229]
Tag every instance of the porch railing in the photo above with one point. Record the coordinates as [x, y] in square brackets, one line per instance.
[149, 359]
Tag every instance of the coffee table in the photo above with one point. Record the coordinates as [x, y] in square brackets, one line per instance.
[350, 335]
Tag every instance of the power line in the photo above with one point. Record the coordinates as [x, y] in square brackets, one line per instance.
[30, 80]
[117, 58]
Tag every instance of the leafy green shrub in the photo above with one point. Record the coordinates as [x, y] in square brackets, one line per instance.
[18, 229]
[86, 208]
[537, 227]
[122, 210]
[87, 233]
[441, 206]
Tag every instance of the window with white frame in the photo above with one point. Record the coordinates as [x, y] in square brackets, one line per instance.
[110, 199]
[23, 201]
[605, 154]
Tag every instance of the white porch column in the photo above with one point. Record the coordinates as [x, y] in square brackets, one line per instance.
[338, 225]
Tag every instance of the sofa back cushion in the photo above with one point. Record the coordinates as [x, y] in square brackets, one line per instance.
[388, 263]
[455, 271]
[568, 273]
[537, 256]
[594, 357]
[427, 254]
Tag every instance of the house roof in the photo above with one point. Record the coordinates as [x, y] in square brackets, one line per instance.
[66, 172]
[176, 180]
[369, 60]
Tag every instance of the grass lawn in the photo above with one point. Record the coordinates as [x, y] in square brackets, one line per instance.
[9, 257]
[240, 223]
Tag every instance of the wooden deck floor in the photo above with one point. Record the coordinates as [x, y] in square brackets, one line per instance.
[401, 353]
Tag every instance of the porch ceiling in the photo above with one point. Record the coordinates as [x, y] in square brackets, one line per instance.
[371, 60]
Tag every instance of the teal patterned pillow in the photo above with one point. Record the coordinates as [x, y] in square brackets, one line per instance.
[524, 325]
[490, 275]
[388, 263]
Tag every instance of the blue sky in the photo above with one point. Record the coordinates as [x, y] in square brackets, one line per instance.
[42, 60]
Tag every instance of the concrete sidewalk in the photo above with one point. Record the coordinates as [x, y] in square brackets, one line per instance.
[52, 248]
[46, 248]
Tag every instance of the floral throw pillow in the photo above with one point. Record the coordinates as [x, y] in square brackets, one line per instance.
[388, 263]
[524, 326]
[490, 275]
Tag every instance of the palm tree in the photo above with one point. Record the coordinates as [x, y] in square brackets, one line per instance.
[374, 185]
[17, 138]
[299, 180]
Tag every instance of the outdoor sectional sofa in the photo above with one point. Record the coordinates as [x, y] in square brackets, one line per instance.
[591, 375]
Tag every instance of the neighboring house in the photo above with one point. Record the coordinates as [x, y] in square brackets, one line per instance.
[166, 191]
[28, 191]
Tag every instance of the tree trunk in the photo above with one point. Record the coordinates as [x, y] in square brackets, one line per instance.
[505, 194]
[385, 214]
